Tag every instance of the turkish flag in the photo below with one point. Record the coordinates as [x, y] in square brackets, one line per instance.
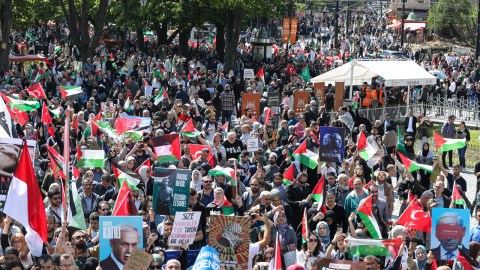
[196, 152]
[414, 217]
[290, 70]
[36, 91]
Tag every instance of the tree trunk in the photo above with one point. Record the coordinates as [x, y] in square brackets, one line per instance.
[140, 40]
[220, 42]
[161, 33]
[233, 24]
[183, 38]
[5, 23]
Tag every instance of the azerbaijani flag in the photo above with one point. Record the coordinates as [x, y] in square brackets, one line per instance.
[90, 158]
[305, 156]
[167, 148]
[71, 92]
[226, 172]
[189, 130]
[320, 191]
[376, 247]
[445, 144]
[411, 165]
[161, 96]
[276, 262]
[364, 211]
[289, 175]
[459, 198]
[365, 149]
[304, 226]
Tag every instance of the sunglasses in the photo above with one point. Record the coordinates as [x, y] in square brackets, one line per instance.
[80, 237]
[155, 267]
[312, 240]
[209, 181]
[104, 209]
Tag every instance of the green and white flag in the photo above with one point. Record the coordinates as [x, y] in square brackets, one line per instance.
[306, 74]
[126, 106]
[75, 216]
[90, 158]
[400, 143]
[30, 36]
[57, 111]
[21, 105]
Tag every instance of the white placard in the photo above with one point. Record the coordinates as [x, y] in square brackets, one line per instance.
[148, 90]
[252, 144]
[248, 74]
[184, 228]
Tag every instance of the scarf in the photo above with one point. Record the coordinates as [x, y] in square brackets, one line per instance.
[282, 228]
[324, 239]
[425, 152]
[421, 264]
[196, 184]
[227, 207]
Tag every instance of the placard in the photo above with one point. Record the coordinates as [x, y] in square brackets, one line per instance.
[300, 100]
[184, 228]
[273, 99]
[138, 260]
[171, 190]
[148, 91]
[339, 89]
[248, 73]
[230, 237]
[251, 101]
[319, 90]
[207, 259]
[450, 232]
[329, 264]
[115, 231]
[252, 144]
[332, 144]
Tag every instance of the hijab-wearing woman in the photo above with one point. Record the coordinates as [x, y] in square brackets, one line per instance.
[311, 250]
[144, 172]
[19, 243]
[425, 156]
[157, 262]
[397, 231]
[29, 132]
[286, 234]
[196, 180]
[324, 233]
[131, 163]
[420, 260]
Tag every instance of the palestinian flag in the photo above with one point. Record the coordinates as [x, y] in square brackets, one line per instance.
[71, 92]
[57, 162]
[126, 124]
[365, 149]
[161, 96]
[47, 119]
[99, 76]
[368, 184]
[259, 74]
[459, 198]
[102, 128]
[126, 106]
[304, 226]
[98, 117]
[135, 134]
[90, 158]
[355, 103]
[305, 156]
[125, 175]
[182, 119]
[387, 248]
[159, 72]
[364, 211]
[227, 172]
[227, 207]
[167, 148]
[58, 48]
[40, 75]
[445, 144]
[289, 175]
[411, 165]
[350, 182]
[125, 205]
[189, 130]
[76, 216]
[400, 143]
[306, 74]
[20, 105]
[225, 129]
[466, 261]
[145, 163]
[36, 91]
[320, 191]
[276, 262]
[56, 111]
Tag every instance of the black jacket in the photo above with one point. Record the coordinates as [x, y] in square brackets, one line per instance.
[414, 124]
[294, 196]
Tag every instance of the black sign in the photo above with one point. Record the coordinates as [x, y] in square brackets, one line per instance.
[273, 99]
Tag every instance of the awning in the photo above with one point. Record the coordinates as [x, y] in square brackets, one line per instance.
[111, 41]
[395, 73]
[412, 25]
[27, 57]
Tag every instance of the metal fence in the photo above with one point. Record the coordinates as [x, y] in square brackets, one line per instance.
[464, 109]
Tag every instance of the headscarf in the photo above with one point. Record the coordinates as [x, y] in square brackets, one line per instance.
[474, 249]
[207, 167]
[196, 184]
[32, 131]
[157, 258]
[143, 172]
[130, 158]
[282, 228]
[421, 264]
[425, 152]
[396, 232]
[21, 237]
[275, 193]
[324, 239]
[330, 214]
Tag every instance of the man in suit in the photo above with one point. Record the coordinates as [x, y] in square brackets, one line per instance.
[442, 200]
[410, 126]
[121, 248]
[449, 231]
[297, 196]
[89, 199]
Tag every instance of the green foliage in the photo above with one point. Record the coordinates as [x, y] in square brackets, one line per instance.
[459, 15]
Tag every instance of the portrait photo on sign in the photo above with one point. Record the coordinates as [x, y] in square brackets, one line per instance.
[163, 191]
[450, 232]
[332, 143]
[118, 237]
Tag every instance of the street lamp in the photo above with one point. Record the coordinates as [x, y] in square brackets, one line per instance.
[403, 23]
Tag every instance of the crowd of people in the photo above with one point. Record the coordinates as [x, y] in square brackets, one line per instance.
[114, 84]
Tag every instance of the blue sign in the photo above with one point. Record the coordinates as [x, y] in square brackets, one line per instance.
[207, 259]
[173, 254]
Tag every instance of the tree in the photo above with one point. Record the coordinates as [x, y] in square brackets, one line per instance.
[457, 15]
[5, 24]
[81, 17]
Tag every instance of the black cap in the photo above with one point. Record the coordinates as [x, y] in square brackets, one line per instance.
[10, 250]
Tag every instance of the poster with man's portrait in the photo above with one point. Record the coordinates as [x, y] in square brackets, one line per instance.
[230, 237]
[118, 237]
[171, 190]
[450, 232]
[332, 144]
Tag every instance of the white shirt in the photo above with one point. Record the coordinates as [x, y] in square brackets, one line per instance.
[253, 249]
[410, 123]
[119, 264]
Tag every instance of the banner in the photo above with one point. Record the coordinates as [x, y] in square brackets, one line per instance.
[252, 144]
[332, 143]
[10, 149]
[139, 259]
[248, 73]
[251, 101]
[319, 90]
[184, 228]
[300, 100]
[114, 233]
[339, 89]
[450, 232]
[171, 190]
[230, 237]
[273, 99]
[293, 31]
[286, 29]
[329, 264]
[207, 259]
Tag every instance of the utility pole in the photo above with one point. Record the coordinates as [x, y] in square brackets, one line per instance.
[336, 25]
[477, 49]
[403, 23]
[348, 18]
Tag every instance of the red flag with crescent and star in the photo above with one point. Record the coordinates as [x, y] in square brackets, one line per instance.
[36, 91]
[414, 217]
[196, 151]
